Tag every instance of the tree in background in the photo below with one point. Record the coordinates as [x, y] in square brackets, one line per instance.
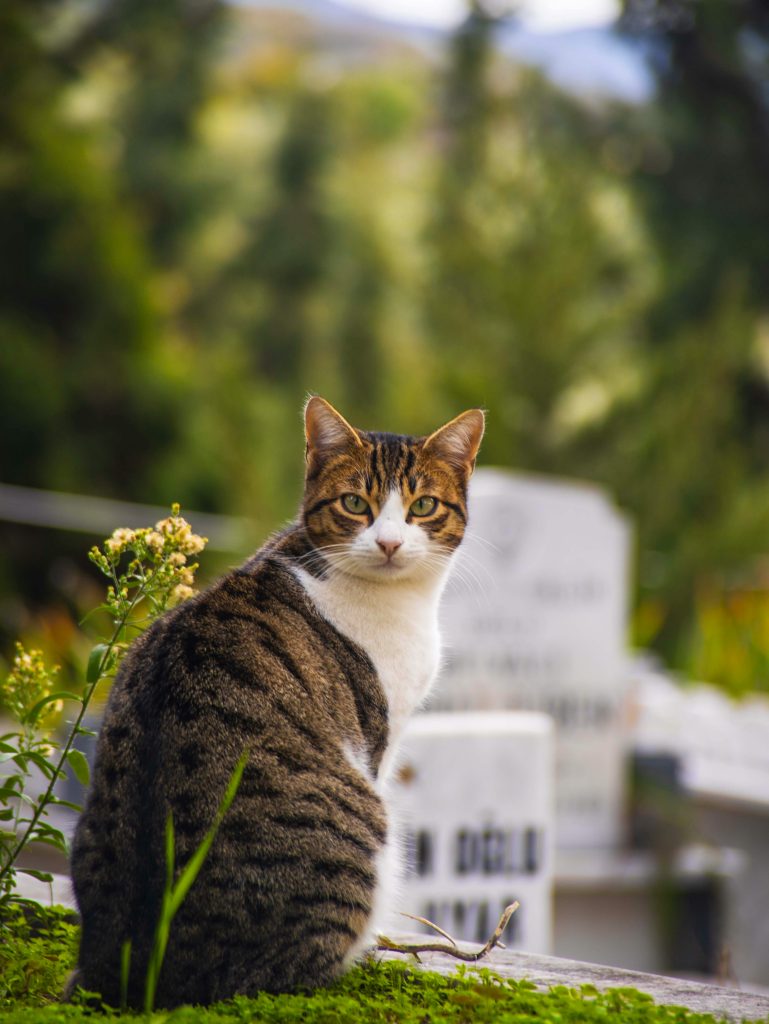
[703, 147]
[362, 351]
[459, 270]
[80, 391]
[289, 248]
[84, 401]
[536, 258]
[89, 397]
[162, 53]
[706, 193]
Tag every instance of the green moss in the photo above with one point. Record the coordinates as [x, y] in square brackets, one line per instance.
[38, 949]
[37, 952]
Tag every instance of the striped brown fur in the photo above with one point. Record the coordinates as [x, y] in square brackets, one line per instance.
[250, 663]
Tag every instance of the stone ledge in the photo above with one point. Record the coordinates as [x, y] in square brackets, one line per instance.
[547, 971]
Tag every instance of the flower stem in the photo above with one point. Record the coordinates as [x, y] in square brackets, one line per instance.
[43, 801]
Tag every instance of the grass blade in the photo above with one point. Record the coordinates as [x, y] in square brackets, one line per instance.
[125, 967]
[173, 895]
[195, 863]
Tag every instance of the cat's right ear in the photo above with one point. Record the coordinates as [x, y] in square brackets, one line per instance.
[326, 430]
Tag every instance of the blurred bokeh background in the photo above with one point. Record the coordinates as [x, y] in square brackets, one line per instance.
[208, 210]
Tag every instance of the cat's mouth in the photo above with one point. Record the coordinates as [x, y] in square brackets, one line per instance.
[384, 568]
[375, 565]
[394, 566]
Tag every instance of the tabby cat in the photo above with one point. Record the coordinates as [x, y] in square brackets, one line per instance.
[311, 656]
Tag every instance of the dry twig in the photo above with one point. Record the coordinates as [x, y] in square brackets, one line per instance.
[430, 924]
[385, 944]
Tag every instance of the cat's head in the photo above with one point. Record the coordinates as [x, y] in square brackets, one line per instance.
[384, 506]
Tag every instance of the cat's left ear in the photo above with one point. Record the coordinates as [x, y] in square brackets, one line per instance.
[325, 429]
[459, 440]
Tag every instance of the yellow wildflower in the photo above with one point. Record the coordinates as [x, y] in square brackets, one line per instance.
[120, 540]
[194, 544]
[154, 541]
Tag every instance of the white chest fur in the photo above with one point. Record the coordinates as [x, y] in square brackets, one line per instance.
[396, 624]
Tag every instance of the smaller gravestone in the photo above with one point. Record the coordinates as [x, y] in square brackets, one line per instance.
[475, 792]
[535, 619]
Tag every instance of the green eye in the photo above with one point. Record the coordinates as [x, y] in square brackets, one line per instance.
[355, 504]
[423, 506]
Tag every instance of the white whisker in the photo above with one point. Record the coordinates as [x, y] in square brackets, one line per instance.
[473, 538]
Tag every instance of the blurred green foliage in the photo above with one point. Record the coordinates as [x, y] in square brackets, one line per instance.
[207, 212]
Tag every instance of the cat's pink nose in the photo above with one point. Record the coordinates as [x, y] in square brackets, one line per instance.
[389, 546]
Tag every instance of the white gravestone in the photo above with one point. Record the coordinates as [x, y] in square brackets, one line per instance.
[475, 795]
[535, 619]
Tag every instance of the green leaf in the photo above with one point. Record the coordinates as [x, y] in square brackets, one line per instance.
[79, 766]
[24, 798]
[32, 715]
[64, 803]
[57, 844]
[42, 763]
[15, 900]
[97, 661]
[44, 828]
[6, 814]
[41, 876]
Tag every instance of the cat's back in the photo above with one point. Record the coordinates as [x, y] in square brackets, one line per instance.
[253, 644]
[256, 639]
[248, 664]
